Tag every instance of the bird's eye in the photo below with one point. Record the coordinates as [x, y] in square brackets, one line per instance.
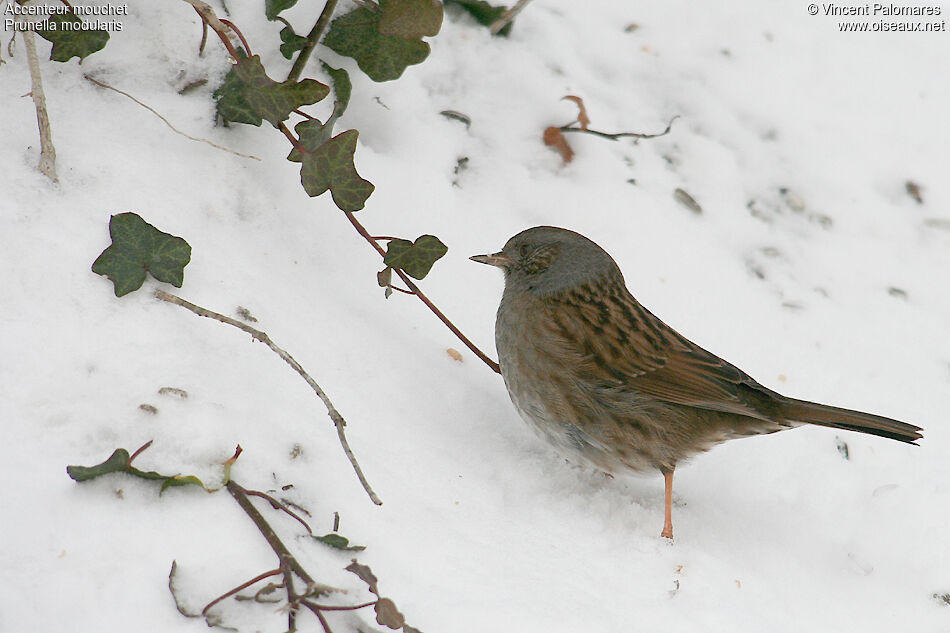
[524, 250]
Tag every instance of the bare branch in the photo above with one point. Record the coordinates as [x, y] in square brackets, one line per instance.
[47, 164]
[258, 335]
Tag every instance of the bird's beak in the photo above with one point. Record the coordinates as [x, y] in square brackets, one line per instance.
[498, 259]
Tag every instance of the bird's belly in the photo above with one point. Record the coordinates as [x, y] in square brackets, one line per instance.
[600, 442]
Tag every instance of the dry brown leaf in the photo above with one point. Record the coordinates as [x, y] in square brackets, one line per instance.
[582, 117]
[388, 615]
[365, 573]
[553, 137]
[454, 354]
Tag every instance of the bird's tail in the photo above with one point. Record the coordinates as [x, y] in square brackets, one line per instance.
[836, 418]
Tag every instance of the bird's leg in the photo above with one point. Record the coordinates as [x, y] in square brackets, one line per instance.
[668, 513]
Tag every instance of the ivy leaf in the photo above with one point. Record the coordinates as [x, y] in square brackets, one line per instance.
[410, 18]
[415, 258]
[331, 167]
[291, 42]
[339, 542]
[273, 7]
[119, 462]
[248, 95]
[137, 248]
[342, 87]
[69, 39]
[383, 57]
[312, 133]
[484, 13]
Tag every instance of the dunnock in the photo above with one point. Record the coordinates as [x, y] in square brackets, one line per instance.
[604, 379]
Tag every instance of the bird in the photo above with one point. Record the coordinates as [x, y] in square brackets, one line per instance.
[611, 385]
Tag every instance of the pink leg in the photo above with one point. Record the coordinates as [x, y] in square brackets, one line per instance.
[668, 517]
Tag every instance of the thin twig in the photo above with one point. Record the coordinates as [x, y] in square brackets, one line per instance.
[416, 291]
[507, 17]
[317, 612]
[258, 335]
[204, 38]
[313, 38]
[171, 589]
[619, 135]
[241, 587]
[277, 505]
[47, 164]
[290, 137]
[354, 607]
[165, 121]
[305, 115]
[139, 451]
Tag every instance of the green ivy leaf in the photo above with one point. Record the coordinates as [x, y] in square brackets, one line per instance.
[484, 13]
[339, 542]
[273, 7]
[330, 166]
[137, 248]
[179, 480]
[291, 42]
[248, 95]
[342, 87]
[410, 18]
[118, 462]
[69, 39]
[415, 258]
[312, 133]
[382, 57]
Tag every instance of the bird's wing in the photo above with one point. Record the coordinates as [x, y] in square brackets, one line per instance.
[615, 341]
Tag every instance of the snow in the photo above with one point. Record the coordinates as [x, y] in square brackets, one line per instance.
[483, 526]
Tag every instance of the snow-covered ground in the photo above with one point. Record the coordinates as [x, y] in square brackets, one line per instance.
[810, 267]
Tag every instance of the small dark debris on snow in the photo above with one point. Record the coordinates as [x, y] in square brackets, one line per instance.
[897, 292]
[842, 448]
[245, 314]
[913, 190]
[173, 392]
[455, 115]
[942, 598]
[792, 200]
[148, 408]
[687, 201]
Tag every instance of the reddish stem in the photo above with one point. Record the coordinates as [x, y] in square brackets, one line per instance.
[416, 291]
[222, 36]
[140, 449]
[240, 35]
[293, 139]
[242, 586]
